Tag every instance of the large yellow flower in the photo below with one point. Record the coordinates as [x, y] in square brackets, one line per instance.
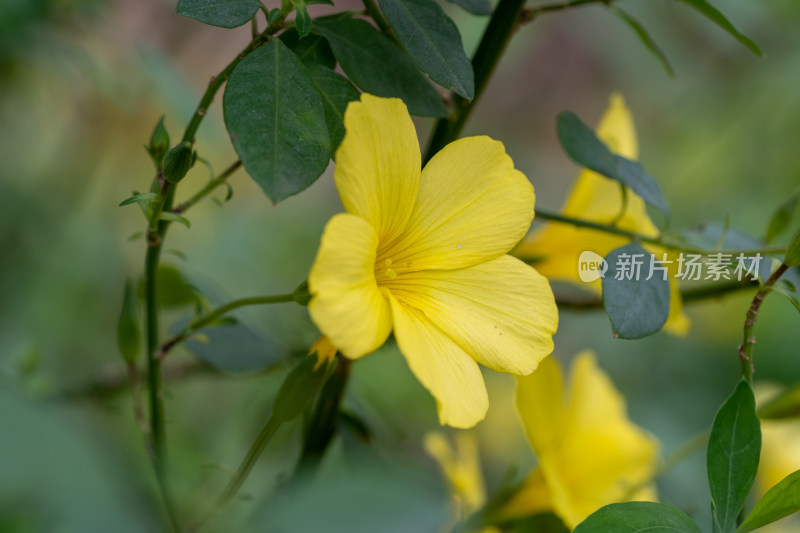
[596, 198]
[423, 254]
[590, 454]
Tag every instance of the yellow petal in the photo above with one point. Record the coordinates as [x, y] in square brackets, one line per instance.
[501, 312]
[461, 468]
[540, 405]
[532, 497]
[449, 374]
[346, 303]
[378, 164]
[616, 128]
[472, 206]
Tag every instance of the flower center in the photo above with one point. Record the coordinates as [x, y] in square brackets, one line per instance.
[383, 271]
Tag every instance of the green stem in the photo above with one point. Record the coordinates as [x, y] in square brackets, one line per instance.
[325, 418]
[217, 313]
[658, 241]
[376, 15]
[504, 21]
[746, 348]
[255, 451]
[205, 191]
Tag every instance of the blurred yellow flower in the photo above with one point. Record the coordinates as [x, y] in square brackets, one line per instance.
[556, 247]
[590, 454]
[423, 253]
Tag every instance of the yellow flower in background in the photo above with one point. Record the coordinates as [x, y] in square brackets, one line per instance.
[596, 198]
[423, 254]
[590, 454]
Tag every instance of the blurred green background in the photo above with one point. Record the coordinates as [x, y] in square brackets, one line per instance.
[83, 82]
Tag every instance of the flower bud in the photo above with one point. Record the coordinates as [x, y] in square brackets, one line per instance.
[178, 161]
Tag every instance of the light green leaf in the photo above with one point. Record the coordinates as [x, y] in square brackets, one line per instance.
[647, 41]
[234, 348]
[781, 218]
[785, 289]
[222, 13]
[732, 459]
[302, 21]
[379, 67]
[174, 217]
[336, 92]
[172, 288]
[717, 17]
[299, 388]
[637, 306]
[792, 257]
[583, 147]
[433, 42]
[140, 198]
[780, 501]
[276, 121]
[128, 331]
[636, 517]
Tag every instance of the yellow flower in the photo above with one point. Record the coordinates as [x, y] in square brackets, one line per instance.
[590, 454]
[461, 468]
[423, 254]
[598, 199]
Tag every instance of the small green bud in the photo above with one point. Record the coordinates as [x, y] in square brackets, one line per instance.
[128, 333]
[301, 294]
[178, 161]
[159, 143]
[793, 251]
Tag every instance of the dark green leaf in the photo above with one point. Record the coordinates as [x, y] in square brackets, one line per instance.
[784, 405]
[716, 236]
[274, 15]
[140, 198]
[379, 67]
[637, 306]
[222, 13]
[174, 217]
[336, 92]
[433, 42]
[647, 41]
[311, 50]
[234, 348]
[128, 331]
[792, 257]
[714, 14]
[635, 517]
[276, 121]
[781, 218]
[540, 523]
[476, 7]
[583, 147]
[302, 21]
[732, 459]
[172, 289]
[781, 500]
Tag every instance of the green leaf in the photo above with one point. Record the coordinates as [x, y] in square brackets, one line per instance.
[276, 121]
[647, 41]
[128, 331]
[634, 517]
[302, 21]
[274, 15]
[714, 14]
[379, 67]
[174, 217]
[299, 388]
[433, 42]
[172, 288]
[583, 147]
[792, 257]
[222, 13]
[159, 143]
[540, 523]
[482, 8]
[234, 348]
[781, 218]
[336, 92]
[732, 459]
[637, 306]
[311, 50]
[788, 291]
[140, 198]
[780, 501]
